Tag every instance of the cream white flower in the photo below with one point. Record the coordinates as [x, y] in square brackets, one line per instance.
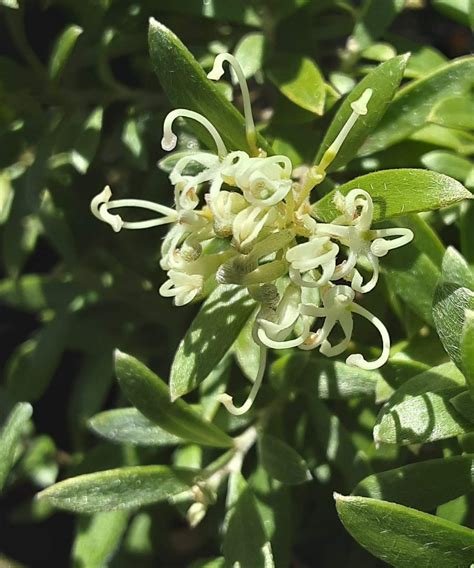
[352, 229]
[240, 218]
[338, 307]
[318, 252]
[182, 287]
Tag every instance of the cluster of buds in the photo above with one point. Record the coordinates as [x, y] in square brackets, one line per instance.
[243, 220]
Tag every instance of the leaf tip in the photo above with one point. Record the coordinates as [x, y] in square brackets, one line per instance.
[338, 497]
[119, 355]
[406, 56]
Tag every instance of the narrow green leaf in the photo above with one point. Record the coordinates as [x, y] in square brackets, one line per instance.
[63, 49]
[249, 52]
[86, 144]
[384, 81]
[151, 396]
[464, 405]
[281, 461]
[325, 378]
[128, 426]
[36, 292]
[398, 535]
[33, 364]
[467, 349]
[187, 86]
[212, 333]
[375, 18]
[398, 192]
[300, 80]
[457, 10]
[246, 351]
[10, 436]
[98, 538]
[420, 410]
[412, 105]
[448, 163]
[454, 112]
[413, 271]
[452, 298]
[122, 488]
[424, 485]
[245, 541]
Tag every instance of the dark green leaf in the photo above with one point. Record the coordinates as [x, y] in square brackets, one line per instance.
[398, 192]
[32, 366]
[98, 537]
[464, 405]
[281, 461]
[63, 49]
[454, 112]
[451, 300]
[375, 18]
[383, 81]
[412, 272]
[212, 333]
[300, 80]
[412, 105]
[187, 86]
[424, 485]
[325, 378]
[245, 541]
[151, 396]
[467, 349]
[10, 436]
[399, 535]
[420, 410]
[123, 488]
[128, 426]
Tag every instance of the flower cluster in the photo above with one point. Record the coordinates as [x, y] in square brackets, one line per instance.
[243, 220]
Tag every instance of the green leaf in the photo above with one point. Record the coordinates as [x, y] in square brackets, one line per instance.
[300, 80]
[249, 52]
[98, 538]
[151, 396]
[424, 485]
[212, 333]
[453, 296]
[411, 106]
[384, 81]
[457, 10]
[39, 462]
[420, 410]
[464, 405]
[128, 426]
[10, 437]
[10, 4]
[467, 349]
[398, 192]
[401, 536]
[63, 49]
[375, 18]
[33, 364]
[447, 163]
[325, 378]
[281, 461]
[246, 351]
[187, 86]
[413, 271]
[245, 541]
[122, 488]
[454, 112]
[86, 144]
[36, 292]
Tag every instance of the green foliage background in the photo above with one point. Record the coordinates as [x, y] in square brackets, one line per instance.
[80, 107]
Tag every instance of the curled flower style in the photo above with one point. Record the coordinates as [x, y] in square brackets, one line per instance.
[338, 307]
[352, 229]
[244, 218]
